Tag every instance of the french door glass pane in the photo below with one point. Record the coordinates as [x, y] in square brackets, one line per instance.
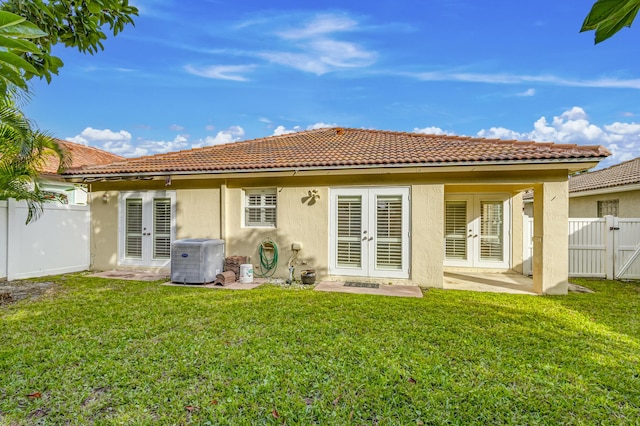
[491, 235]
[389, 232]
[456, 230]
[133, 234]
[349, 250]
[161, 228]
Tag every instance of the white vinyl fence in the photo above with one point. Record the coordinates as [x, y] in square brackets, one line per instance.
[606, 247]
[57, 243]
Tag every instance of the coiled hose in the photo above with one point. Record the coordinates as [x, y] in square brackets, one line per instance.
[268, 265]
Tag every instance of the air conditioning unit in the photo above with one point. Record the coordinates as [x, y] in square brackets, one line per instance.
[196, 260]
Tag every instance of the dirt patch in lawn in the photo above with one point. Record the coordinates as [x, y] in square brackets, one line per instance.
[14, 291]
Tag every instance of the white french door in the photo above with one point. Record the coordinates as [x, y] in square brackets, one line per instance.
[147, 228]
[477, 229]
[370, 232]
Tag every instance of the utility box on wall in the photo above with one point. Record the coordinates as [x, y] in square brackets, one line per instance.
[196, 260]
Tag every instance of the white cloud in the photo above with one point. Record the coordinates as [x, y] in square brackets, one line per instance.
[91, 135]
[180, 142]
[281, 130]
[623, 128]
[573, 126]
[232, 134]
[121, 142]
[500, 133]
[432, 131]
[125, 149]
[209, 127]
[316, 50]
[264, 120]
[528, 92]
[321, 125]
[503, 78]
[320, 25]
[221, 72]
[341, 54]
[176, 128]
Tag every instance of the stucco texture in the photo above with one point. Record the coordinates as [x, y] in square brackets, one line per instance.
[629, 204]
[212, 207]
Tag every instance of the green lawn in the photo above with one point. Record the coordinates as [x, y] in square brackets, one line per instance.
[122, 352]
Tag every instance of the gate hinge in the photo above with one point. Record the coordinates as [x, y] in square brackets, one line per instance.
[614, 228]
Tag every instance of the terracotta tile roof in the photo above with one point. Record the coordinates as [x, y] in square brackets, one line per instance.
[81, 155]
[340, 148]
[627, 173]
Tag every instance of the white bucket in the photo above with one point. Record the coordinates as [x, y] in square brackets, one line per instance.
[246, 273]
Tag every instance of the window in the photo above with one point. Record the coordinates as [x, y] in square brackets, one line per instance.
[608, 207]
[260, 207]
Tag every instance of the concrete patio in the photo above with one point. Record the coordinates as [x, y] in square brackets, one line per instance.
[382, 289]
[494, 282]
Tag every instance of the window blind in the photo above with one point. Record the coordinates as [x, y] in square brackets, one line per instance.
[456, 230]
[349, 230]
[161, 228]
[389, 232]
[133, 228]
[260, 208]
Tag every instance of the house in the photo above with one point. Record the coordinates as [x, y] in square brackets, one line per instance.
[612, 191]
[81, 155]
[359, 204]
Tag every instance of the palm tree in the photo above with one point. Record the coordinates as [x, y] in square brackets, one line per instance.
[23, 151]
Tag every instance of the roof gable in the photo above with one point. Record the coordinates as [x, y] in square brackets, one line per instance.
[347, 148]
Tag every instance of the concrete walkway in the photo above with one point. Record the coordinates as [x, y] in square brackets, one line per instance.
[382, 290]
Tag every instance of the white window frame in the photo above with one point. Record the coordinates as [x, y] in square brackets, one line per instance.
[262, 206]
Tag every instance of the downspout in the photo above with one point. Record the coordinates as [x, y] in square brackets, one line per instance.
[223, 211]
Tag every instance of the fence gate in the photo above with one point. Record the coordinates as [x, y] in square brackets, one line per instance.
[606, 247]
[626, 248]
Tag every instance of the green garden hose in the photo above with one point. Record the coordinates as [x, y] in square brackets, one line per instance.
[268, 265]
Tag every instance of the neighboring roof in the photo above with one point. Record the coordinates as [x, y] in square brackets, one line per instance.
[81, 155]
[627, 173]
[346, 148]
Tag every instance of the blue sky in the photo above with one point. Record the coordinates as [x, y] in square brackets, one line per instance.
[195, 73]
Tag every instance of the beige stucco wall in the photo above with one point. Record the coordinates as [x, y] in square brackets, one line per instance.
[297, 222]
[551, 238]
[198, 213]
[517, 222]
[104, 230]
[427, 231]
[213, 208]
[629, 204]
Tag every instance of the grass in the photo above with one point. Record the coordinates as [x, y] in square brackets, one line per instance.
[120, 352]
